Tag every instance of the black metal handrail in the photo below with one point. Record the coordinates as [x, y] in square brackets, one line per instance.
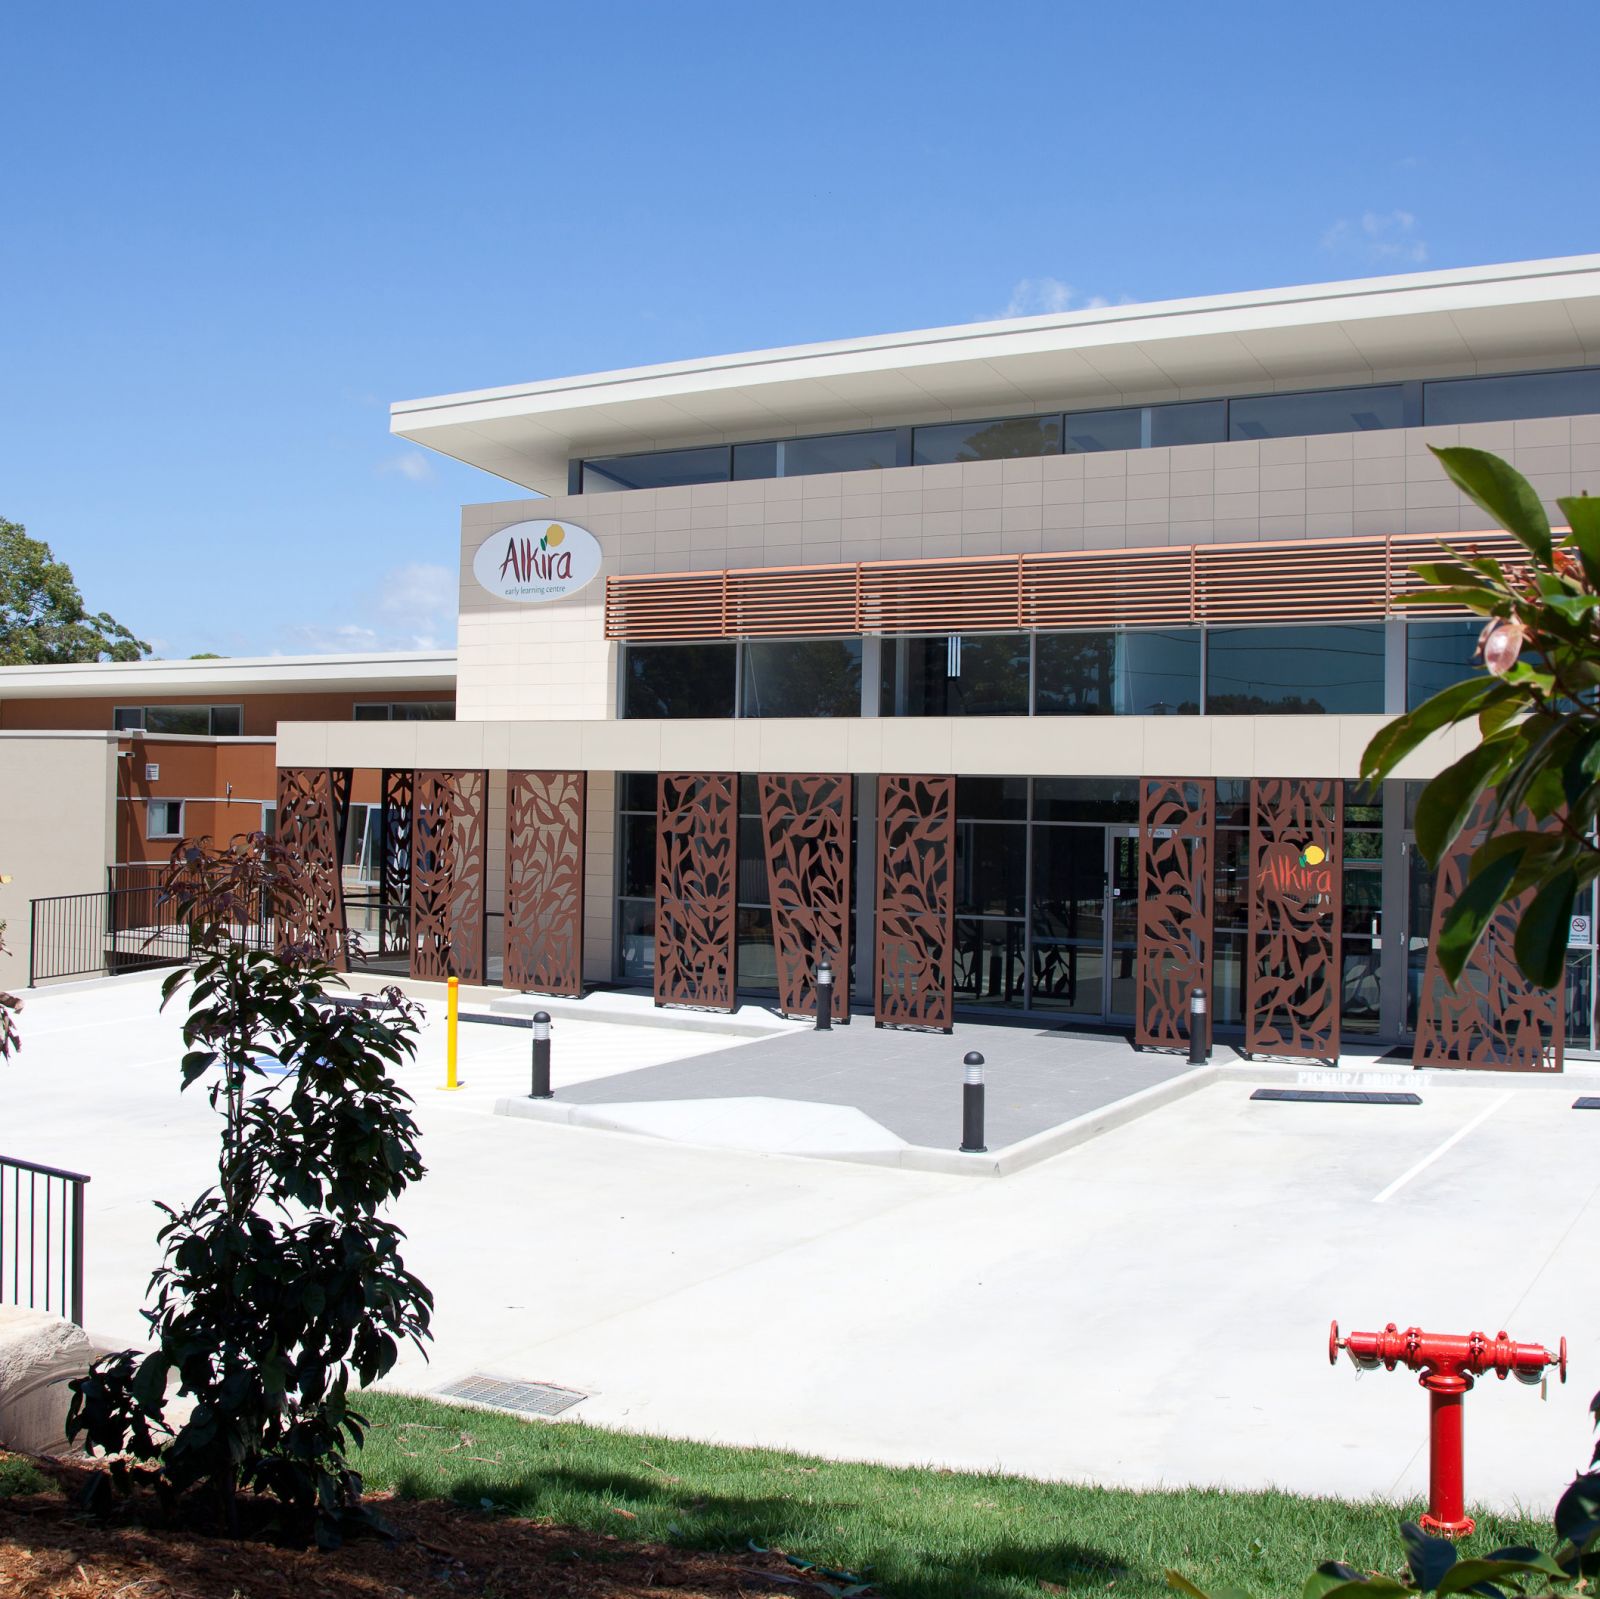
[41, 1248]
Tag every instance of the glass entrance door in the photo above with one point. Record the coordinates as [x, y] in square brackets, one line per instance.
[1122, 923]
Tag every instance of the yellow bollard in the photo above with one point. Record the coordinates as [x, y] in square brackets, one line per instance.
[452, 1016]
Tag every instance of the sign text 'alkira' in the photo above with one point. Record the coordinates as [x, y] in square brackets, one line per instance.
[531, 562]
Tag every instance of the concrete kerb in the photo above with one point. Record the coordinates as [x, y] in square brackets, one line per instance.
[1083, 1129]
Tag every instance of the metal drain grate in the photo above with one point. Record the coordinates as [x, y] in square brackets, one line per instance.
[1336, 1096]
[527, 1398]
[1587, 1102]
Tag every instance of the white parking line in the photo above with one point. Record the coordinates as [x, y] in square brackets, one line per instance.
[1427, 1160]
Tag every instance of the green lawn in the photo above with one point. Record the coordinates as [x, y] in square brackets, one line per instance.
[923, 1533]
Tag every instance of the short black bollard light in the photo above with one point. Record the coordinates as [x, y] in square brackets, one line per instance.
[1199, 1032]
[825, 996]
[972, 1106]
[541, 1056]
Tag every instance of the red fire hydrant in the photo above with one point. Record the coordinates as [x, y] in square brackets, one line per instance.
[1448, 1363]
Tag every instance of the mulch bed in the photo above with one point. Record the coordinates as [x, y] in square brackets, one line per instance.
[49, 1549]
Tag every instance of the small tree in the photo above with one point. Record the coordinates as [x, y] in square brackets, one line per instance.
[1538, 712]
[282, 1281]
[43, 618]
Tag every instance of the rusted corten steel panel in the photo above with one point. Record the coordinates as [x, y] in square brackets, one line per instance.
[696, 816]
[1494, 1019]
[394, 863]
[916, 901]
[544, 881]
[1177, 818]
[1341, 579]
[308, 829]
[1294, 962]
[805, 827]
[448, 866]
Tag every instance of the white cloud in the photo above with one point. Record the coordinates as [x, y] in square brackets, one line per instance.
[1386, 236]
[411, 607]
[413, 467]
[1044, 296]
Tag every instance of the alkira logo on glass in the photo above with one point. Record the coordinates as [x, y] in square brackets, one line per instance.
[536, 561]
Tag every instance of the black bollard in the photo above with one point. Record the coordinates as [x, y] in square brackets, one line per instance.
[1199, 1032]
[825, 996]
[972, 1106]
[541, 1056]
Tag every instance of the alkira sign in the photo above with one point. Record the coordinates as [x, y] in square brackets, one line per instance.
[531, 562]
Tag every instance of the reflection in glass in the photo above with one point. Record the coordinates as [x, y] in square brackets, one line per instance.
[1140, 673]
[1069, 884]
[802, 677]
[637, 855]
[178, 719]
[1529, 394]
[1437, 655]
[1198, 422]
[757, 956]
[838, 452]
[986, 441]
[990, 862]
[1334, 669]
[990, 966]
[974, 674]
[676, 680]
[662, 469]
[1087, 431]
[636, 940]
[1086, 799]
[1283, 416]
[996, 799]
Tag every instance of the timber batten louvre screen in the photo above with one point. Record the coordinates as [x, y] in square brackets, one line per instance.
[805, 827]
[696, 814]
[1293, 960]
[544, 881]
[1494, 1019]
[915, 920]
[1335, 579]
[1176, 849]
[447, 874]
[308, 828]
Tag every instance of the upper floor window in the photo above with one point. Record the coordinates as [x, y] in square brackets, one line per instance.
[1282, 416]
[164, 818]
[1523, 395]
[986, 441]
[1336, 668]
[832, 452]
[1439, 654]
[664, 469]
[215, 721]
[407, 711]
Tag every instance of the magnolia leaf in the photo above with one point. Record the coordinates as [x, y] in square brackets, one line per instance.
[1503, 492]
[1464, 923]
[1583, 517]
[1448, 801]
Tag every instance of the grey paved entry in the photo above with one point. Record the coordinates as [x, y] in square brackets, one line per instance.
[909, 1082]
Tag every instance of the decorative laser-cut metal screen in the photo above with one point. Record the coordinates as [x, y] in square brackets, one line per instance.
[1176, 821]
[1493, 1019]
[1293, 967]
[447, 875]
[308, 828]
[695, 857]
[544, 881]
[394, 863]
[916, 901]
[805, 826]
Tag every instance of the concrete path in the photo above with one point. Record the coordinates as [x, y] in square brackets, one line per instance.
[1150, 1307]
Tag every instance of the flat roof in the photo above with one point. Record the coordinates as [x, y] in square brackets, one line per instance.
[392, 671]
[1419, 324]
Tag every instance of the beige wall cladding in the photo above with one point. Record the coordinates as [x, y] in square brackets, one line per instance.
[1020, 746]
[57, 827]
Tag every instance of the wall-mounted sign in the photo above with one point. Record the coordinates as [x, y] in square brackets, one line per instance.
[1300, 876]
[152, 772]
[1581, 931]
[531, 562]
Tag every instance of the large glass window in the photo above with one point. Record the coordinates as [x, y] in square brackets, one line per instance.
[1526, 394]
[1199, 422]
[664, 469]
[964, 674]
[1336, 668]
[986, 441]
[802, 677]
[676, 680]
[1118, 674]
[636, 877]
[833, 452]
[1282, 416]
[1087, 431]
[1437, 655]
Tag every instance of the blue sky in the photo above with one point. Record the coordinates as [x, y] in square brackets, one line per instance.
[234, 233]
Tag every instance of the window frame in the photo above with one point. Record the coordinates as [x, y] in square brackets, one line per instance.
[149, 817]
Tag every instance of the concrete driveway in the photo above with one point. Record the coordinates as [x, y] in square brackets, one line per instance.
[1151, 1307]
